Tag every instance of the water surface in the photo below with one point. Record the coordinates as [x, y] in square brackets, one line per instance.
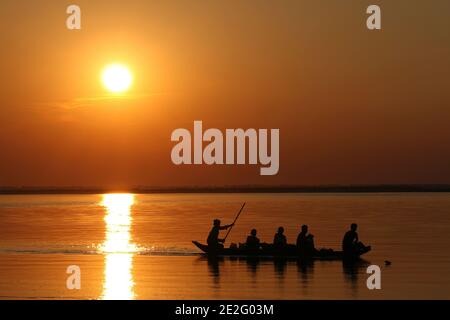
[139, 246]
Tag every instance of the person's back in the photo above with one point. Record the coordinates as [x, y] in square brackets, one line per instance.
[350, 239]
[279, 240]
[213, 236]
[252, 241]
[301, 239]
[305, 241]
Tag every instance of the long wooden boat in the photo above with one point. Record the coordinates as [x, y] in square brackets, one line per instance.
[268, 251]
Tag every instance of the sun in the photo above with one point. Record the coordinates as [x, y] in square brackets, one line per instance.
[117, 78]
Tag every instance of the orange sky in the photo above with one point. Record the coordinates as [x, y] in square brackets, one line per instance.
[353, 106]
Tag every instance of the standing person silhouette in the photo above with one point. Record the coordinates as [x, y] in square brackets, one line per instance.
[213, 237]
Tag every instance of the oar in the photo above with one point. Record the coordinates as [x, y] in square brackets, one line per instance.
[229, 230]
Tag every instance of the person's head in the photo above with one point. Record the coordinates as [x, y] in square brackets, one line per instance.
[216, 222]
[353, 227]
[304, 228]
[280, 230]
[253, 232]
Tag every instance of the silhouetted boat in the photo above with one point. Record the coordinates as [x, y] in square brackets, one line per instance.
[290, 252]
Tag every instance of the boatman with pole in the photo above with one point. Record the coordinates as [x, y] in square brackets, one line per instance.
[213, 237]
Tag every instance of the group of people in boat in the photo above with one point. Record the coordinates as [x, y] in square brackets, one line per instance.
[304, 244]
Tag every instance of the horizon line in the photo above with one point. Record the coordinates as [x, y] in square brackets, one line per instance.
[324, 188]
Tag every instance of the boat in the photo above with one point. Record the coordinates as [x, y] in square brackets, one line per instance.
[268, 251]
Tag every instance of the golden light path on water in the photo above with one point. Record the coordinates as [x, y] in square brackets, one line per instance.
[118, 278]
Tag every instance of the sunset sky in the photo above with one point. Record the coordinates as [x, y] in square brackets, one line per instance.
[353, 106]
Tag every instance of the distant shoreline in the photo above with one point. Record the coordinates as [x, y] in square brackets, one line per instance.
[230, 189]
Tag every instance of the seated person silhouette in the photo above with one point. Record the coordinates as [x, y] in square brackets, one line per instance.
[252, 242]
[351, 244]
[213, 237]
[279, 240]
[305, 241]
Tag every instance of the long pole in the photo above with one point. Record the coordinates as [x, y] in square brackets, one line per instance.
[229, 230]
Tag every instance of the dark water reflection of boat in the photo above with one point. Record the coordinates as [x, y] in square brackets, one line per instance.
[280, 267]
[351, 270]
[305, 269]
[214, 268]
[253, 265]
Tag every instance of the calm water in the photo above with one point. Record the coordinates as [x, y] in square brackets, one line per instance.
[139, 246]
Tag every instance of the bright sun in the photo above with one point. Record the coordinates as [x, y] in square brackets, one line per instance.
[117, 78]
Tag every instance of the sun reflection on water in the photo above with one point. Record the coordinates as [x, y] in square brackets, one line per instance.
[118, 279]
